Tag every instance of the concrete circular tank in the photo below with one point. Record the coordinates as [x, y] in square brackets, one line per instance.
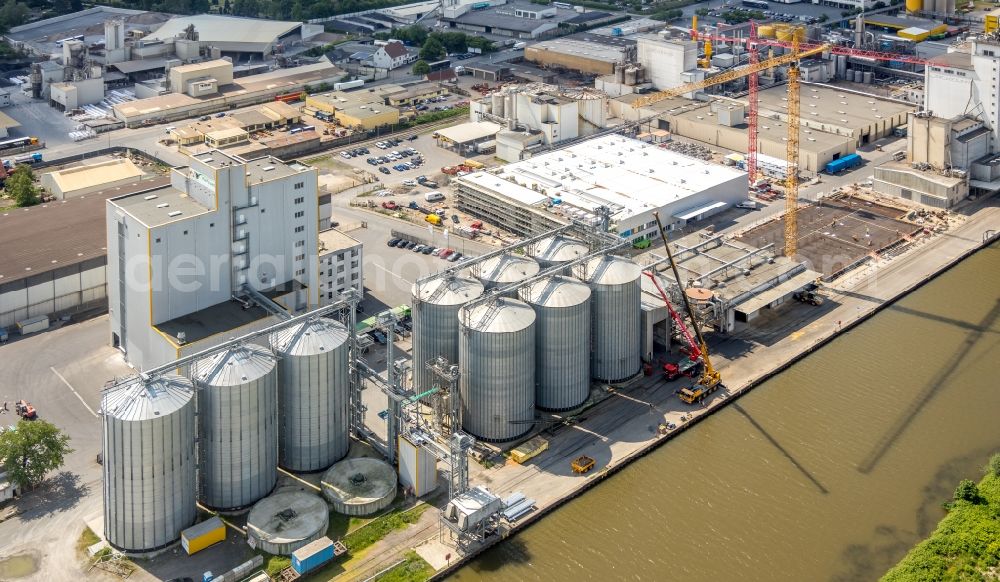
[506, 269]
[313, 394]
[496, 358]
[360, 486]
[148, 463]
[238, 418]
[287, 520]
[616, 316]
[435, 323]
[557, 249]
[562, 342]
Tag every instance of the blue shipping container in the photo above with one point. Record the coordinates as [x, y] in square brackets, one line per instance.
[843, 163]
[312, 555]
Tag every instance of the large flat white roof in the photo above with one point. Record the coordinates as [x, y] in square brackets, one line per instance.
[627, 175]
[216, 28]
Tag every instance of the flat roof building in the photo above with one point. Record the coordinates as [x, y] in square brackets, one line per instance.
[511, 19]
[629, 178]
[340, 265]
[81, 180]
[181, 253]
[235, 35]
[587, 53]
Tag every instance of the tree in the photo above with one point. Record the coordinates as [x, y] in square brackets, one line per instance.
[21, 186]
[967, 491]
[702, 12]
[421, 67]
[992, 468]
[13, 13]
[432, 50]
[824, 17]
[879, 5]
[32, 450]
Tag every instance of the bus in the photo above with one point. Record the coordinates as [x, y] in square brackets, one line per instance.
[439, 65]
[756, 4]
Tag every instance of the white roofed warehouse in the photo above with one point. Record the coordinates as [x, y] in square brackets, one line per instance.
[630, 178]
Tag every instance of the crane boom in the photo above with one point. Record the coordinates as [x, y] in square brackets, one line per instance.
[792, 156]
[694, 351]
[727, 76]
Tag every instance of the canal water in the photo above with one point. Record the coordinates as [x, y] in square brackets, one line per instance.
[832, 470]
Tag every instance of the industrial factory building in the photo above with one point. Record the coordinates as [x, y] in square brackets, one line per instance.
[584, 52]
[341, 261]
[199, 98]
[511, 19]
[181, 253]
[629, 178]
[236, 36]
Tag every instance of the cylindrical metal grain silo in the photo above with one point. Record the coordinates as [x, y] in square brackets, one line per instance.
[562, 342]
[435, 323]
[497, 382]
[149, 463]
[556, 250]
[506, 269]
[616, 316]
[313, 394]
[238, 420]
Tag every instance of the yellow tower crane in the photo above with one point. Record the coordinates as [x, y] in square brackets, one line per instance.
[792, 146]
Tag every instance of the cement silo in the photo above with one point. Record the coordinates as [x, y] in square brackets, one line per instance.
[497, 382]
[506, 269]
[313, 394]
[149, 463]
[556, 250]
[562, 342]
[238, 420]
[616, 320]
[435, 323]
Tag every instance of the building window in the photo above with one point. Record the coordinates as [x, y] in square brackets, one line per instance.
[157, 239]
[300, 214]
[300, 272]
[300, 243]
[211, 225]
[300, 200]
[340, 269]
[300, 257]
[329, 272]
[354, 253]
[340, 256]
[300, 185]
[329, 295]
[185, 232]
[354, 276]
[299, 228]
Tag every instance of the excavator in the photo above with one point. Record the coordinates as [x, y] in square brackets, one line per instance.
[710, 379]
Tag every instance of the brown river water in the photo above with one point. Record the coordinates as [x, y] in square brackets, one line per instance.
[831, 470]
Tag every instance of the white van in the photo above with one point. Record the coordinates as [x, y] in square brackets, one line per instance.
[433, 196]
[519, 45]
[748, 205]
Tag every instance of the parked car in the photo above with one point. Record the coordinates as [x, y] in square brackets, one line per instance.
[410, 245]
[390, 205]
[392, 242]
[444, 254]
[413, 137]
[455, 257]
[384, 170]
[381, 145]
[409, 182]
[223, 114]
[455, 219]
[204, 118]
[428, 250]
[418, 248]
[345, 155]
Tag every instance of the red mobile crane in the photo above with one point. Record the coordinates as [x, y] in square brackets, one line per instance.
[691, 365]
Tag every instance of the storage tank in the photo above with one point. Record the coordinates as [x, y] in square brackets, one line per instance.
[313, 394]
[435, 323]
[616, 306]
[506, 269]
[858, 75]
[868, 77]
[914, 5]
[556, 250]
[765, 31]
[148, 463]
[238, 420]
[497, 382]
[841, 66]
[359, 486]
[562, 342]
[497, 101]
[284, 522]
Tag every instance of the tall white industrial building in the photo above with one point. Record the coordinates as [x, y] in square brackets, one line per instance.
[180, 257]
[966, 83]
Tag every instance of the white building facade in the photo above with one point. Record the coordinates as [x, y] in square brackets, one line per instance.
[177, 256]
[341, 261]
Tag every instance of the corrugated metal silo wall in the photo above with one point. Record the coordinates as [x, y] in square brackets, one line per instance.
[149, 479]
[562, 355]
[497, 382]
[313, 396]
[239, 442]
[616, 334]
[435, 333]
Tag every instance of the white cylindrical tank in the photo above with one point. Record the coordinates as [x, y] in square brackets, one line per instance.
[506, 269]
[238, 420]
[556, 250]
[435, 323]
[868, 77]
[616, 316]
[313, 394]
[281, 523]
[497, 102]
[858, 75]
[497, 365]
[360, 486]
[149, 463]
[562, 342]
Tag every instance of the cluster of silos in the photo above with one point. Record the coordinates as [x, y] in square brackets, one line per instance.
[506, 269]
[148, 463]
[556, 250]
[435, 322]
[562, 341]
[616, 316]
[941, 7]
[496, 358]
[313, 394]
[238, 426]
